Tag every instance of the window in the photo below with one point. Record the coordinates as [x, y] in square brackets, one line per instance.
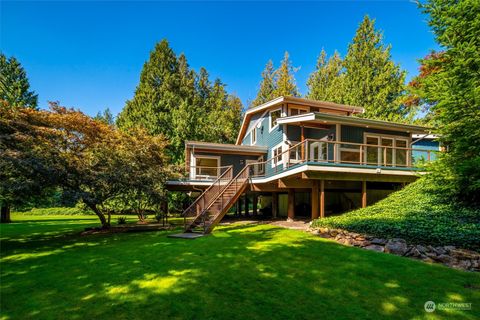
[297, 111]
[386, 150]
[277, 155]
[253, 136]
[274, 115]
[206, 167]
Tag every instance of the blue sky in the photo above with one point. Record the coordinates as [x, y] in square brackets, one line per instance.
[89, 54]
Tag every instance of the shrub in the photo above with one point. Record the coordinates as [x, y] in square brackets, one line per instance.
[58, 211]
[418, 214]
[122, 220]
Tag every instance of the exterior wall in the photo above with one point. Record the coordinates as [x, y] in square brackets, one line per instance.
[355, 134]
[238, 161]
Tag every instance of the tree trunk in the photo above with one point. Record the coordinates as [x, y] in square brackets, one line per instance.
[100, 215]
[5, 214]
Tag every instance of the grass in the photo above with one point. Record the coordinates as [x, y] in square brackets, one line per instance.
[48, 271]
[419, 214]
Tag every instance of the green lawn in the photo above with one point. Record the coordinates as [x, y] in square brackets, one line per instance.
[48, 271]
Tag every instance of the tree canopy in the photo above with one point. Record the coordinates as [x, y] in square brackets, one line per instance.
[327, 81]
[14, 84]
[173, 100]
[89, 159]
[367, 77]
[449, 83]
[266, 92]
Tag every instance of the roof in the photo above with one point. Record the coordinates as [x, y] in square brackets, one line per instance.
[321, 117]
[226, 147]
[297, 101]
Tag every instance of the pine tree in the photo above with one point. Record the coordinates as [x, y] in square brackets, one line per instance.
[285, 79]
[14, 84]
[327, 81]
[267, 86]
[372, 79]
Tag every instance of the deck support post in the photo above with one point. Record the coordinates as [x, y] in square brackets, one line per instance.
[314, 201]
[302, 137]
[246, 205]
[239, 207]
[255, 204]
[322, 199]
[291, 204]
[274, 204]
[364, 193]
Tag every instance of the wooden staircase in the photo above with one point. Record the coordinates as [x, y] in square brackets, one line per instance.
[212, 205]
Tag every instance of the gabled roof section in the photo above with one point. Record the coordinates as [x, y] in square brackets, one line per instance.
[297, 101]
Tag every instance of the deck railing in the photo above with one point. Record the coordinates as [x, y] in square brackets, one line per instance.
[343, 153]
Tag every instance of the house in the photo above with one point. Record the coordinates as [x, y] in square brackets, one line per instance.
[301, 158]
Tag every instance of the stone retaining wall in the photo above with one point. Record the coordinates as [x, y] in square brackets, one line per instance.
[447, 255]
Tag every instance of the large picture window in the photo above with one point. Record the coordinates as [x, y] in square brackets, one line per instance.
[385, 150]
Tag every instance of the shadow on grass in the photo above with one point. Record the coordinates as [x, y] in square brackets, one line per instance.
[238, 272]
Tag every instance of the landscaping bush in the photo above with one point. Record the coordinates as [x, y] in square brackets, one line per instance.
[73, 211]
[122, 220]
[419, 214]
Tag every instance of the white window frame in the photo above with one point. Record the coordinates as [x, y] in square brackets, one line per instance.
[193, 172]
[379, 136]
[270, 119]
[253, 132]
[306, 109]
[276, 163]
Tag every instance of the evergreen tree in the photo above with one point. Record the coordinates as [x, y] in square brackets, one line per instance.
[450, 84]
[157, 94]
[285, 79]
[267, 86]
[172, 100]
[372, 79]
[106, 117]
[14, 85]
[327, 81]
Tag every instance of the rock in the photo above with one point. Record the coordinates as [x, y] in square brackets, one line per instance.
[375, 247]
[413, 252]
[396, 246]
[465, 254]
[443, 258]
[421, 249]
[360, 243]
[462, 264]
[449, 248]
[440, 250]
[378, 241]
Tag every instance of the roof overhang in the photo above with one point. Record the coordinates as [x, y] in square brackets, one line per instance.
[297, 101]
[325, 118]
[222, 148]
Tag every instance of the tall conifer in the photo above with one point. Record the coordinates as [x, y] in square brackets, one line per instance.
[267, 86]
[327, 81]
[285, 79]
[372, 79]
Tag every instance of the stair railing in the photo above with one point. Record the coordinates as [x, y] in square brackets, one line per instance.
[209, 195]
